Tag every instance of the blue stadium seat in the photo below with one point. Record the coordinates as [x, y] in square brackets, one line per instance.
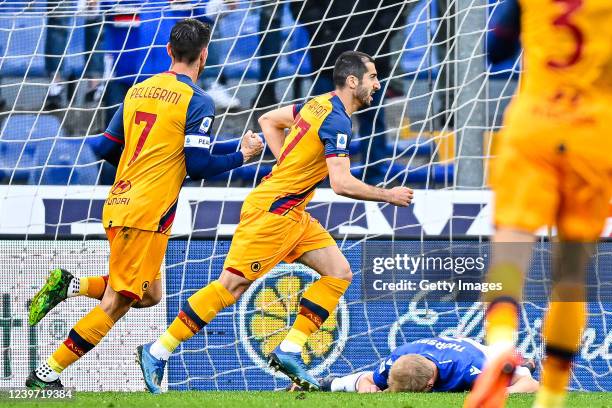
[21, 138]
[357, 169]
[238, 42]
[412, 146]
[22, 45]
[69, 162]
[436, 173]
[23, 38]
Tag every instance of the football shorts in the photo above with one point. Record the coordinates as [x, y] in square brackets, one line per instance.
[135, 260]
[263, 239]
[548, 174]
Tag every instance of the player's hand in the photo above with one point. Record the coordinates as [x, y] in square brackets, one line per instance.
[400, 196]
[251, 145]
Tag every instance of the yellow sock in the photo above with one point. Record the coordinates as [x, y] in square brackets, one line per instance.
[198, 311]
[318, 302]
[547, 399]
[93, 286]
[510, 276]
[502, 322]
[563, 327]
[85, 335]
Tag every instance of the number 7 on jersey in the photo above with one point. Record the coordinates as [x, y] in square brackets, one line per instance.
[149, 119]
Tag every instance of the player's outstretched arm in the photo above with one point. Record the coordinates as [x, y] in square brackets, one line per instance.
[200, 164]
[343, 183]
[273, 125]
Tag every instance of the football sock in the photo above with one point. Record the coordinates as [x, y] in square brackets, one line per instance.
[348, 383]
[84, 336]
[93, 286]
[198, 311]
[74, 287]
[501, 322]
[563, 327]
[502, 315]
[319, 300]
[46, 373]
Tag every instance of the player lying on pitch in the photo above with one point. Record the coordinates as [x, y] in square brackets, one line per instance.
[160, 134]
[274, 225]
[439, 364]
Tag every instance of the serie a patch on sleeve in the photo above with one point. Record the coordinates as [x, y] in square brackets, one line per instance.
[341, 141]
[205, 125]
[197, 141]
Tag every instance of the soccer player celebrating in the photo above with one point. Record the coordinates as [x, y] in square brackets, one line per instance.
[160, 134]
[274, 225]
[554, 167]
[438, 364]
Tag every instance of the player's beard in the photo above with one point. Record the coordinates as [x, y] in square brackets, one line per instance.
[363, 96]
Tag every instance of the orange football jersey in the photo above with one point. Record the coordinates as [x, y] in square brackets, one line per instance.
[568, 52]
[322, 128]
[159, 117]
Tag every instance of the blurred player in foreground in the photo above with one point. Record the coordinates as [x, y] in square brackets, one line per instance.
[159, 135]
[438, 364]
[274, 225]
[554, 168]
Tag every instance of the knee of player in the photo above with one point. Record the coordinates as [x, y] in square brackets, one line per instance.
[117, 306]
[152, 300]
[344, 272]
[155, 299]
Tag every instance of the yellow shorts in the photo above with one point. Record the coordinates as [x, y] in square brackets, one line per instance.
[135, 259]
[552, 175]
[262, 240]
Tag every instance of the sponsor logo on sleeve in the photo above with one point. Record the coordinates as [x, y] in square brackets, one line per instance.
[341, 141]
[205, 125]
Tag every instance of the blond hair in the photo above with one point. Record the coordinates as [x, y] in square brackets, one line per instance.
[411, 373]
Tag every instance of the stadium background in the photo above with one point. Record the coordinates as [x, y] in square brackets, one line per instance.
[437, 126]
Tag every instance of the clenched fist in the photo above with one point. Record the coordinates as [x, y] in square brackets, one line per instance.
[400, 196]
[251, 145]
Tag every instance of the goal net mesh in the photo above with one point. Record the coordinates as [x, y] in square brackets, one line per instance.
[65, 67]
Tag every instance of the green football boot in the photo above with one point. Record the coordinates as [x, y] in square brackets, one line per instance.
[54, 291]
[35, 383]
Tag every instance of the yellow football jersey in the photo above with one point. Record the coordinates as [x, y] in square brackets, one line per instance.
[322, 128]
[159, 117]
[567, 51]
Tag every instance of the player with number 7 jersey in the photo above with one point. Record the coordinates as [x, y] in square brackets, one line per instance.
[275, 226]
[160, 134]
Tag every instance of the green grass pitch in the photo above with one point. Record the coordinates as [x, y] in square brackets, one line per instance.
[261, 399]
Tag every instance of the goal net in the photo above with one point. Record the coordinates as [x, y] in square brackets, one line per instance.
[64, 69]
